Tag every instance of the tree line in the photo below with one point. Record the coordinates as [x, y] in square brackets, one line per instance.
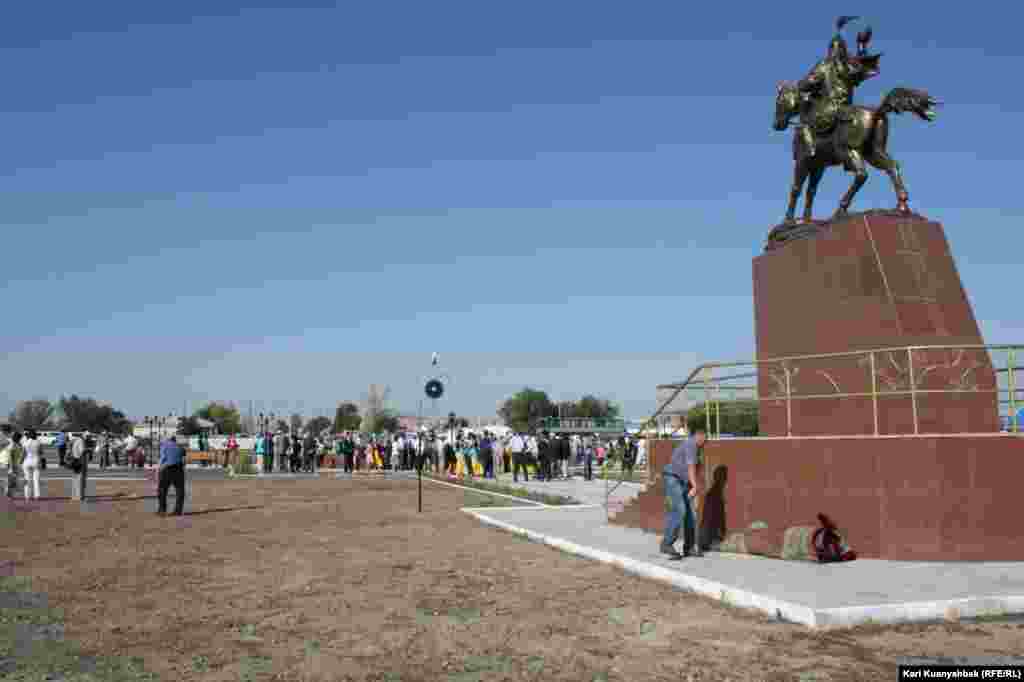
[523, 411]
[76, 413]
[71, 413]
[527, 409]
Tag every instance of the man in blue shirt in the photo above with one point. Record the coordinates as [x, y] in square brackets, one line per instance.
[682, 487]
[172, 472]
[61, 443]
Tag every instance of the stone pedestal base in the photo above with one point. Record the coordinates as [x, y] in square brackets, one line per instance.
[914, 498]
[869, 281]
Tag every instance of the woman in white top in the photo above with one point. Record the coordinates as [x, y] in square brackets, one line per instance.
[30, 465]
[10, 459]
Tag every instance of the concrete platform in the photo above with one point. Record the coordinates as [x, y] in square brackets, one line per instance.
[585, 492]
[816, 595]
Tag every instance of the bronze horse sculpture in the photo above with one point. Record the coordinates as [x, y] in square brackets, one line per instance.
[860, 137]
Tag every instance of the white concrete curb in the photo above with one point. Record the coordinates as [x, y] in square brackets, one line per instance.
[952, 609]
[785, 610]
[837, 617]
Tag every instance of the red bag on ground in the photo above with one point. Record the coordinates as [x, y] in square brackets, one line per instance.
[828, 543]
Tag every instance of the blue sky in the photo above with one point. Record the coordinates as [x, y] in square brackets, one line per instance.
[285, 204]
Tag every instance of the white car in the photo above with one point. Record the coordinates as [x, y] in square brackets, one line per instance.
[47, 438]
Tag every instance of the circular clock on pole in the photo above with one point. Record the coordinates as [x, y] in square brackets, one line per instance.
[434, 389]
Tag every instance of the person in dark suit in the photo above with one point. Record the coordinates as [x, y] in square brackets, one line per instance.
[544, 452]
[308, 453]
[629, 451]
[296, 452]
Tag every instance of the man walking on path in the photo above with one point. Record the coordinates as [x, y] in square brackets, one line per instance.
[682, 489]
[172, 472]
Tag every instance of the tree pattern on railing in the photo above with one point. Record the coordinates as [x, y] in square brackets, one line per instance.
[892, 374]
[785, 388]
[957, 378]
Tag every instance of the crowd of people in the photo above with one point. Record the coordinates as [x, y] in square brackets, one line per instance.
[456, 454]
[22, 452]
[462, 454]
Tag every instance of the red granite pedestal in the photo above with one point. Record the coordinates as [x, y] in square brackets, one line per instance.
[875, 280]
[949, 491]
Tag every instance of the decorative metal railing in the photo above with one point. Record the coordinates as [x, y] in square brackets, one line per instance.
[913, 373]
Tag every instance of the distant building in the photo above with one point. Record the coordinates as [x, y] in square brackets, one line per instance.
[414, 423]
[164, 427]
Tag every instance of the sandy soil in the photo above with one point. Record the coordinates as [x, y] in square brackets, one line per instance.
[343, 580]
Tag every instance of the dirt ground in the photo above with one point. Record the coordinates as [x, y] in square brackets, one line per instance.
[343, 580]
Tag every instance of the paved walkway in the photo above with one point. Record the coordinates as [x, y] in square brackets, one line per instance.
[817, 595]
[586, 492]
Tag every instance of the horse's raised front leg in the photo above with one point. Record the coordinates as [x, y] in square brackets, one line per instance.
[799, 176]
[855, 163]
[812, 189]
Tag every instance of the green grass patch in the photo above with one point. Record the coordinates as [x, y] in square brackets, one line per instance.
[32, 644]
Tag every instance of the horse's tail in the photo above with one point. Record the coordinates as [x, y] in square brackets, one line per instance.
[902, 100]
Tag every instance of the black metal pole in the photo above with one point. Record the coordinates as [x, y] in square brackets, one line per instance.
[419, 460]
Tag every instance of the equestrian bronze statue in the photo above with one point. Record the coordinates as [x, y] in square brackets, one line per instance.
[835, 132]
